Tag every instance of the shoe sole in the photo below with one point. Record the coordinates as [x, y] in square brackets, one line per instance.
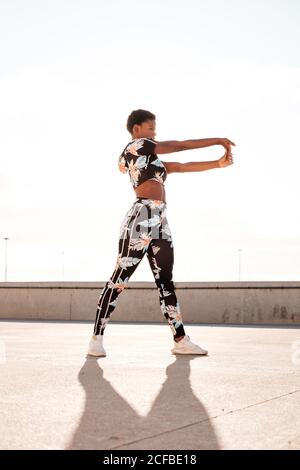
[95, 354]
[191, 353]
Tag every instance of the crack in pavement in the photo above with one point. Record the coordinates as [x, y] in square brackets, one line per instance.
[204, 420]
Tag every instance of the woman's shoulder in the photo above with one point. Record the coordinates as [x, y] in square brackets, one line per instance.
[141, 146]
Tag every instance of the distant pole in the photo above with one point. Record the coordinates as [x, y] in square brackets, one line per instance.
[240, 263]
[6, 238]
[63, 266]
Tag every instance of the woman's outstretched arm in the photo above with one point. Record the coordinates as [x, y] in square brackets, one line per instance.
[170, 146]
[178, 167]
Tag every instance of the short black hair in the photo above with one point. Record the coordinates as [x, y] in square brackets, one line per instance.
[138, 117]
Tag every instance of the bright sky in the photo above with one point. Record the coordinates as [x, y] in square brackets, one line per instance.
[70, 74]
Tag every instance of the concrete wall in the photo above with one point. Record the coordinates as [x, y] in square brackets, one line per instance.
[200, 302]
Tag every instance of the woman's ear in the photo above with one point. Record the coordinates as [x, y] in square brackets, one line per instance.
[135, 128]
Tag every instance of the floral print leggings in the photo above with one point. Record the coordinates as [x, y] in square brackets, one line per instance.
[144, 229]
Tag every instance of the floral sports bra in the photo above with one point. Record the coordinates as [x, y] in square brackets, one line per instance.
[143, 164]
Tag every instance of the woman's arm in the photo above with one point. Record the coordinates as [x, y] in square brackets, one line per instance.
[178, 167]
[170, 146]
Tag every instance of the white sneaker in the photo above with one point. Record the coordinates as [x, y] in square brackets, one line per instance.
[96, 346]
[185, 346]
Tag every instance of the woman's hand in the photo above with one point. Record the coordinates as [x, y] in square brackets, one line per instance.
[226, 160]
[226, 143]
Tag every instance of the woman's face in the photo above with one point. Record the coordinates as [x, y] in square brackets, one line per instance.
[146, 129]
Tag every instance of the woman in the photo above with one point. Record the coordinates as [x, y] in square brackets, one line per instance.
[145, 227]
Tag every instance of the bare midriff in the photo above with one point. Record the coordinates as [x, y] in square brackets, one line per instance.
[151, 189]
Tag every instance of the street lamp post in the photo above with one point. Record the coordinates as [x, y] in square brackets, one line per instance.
[240, 263]
[6, 238]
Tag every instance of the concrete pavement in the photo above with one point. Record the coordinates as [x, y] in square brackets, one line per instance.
[244, 395]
